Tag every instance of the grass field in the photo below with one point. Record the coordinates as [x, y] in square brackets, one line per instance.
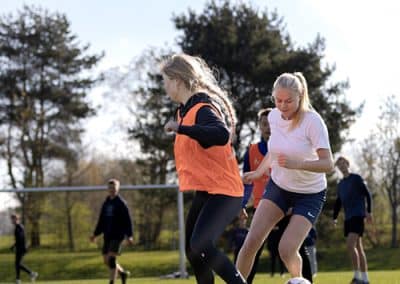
[376, 277]
[147, 266]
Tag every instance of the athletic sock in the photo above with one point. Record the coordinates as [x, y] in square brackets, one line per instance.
[357, 274]
[364, 276]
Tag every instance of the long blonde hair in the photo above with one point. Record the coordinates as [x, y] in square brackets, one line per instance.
[194, 72]
[297, 84]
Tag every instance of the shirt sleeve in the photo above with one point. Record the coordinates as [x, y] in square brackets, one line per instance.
[20, 237]
[246, 161]
[248, 188]
[318, 132]
[99, 227]
[336, 208]
[127, 221]
[209, 129]
[366, 193]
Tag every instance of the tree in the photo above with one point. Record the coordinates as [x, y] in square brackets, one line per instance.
[42, 98]
[380, 161]
[368, 167]
[151, 109]
[73, 210]
[388, 162]
[250, 49]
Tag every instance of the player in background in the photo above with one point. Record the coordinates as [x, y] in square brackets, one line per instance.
[20, 250]
[115, 224]
[354, 197]
[252, 159]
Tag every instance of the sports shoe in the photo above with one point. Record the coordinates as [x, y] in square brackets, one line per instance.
[124, 275]
[33, 276]
[356, 281]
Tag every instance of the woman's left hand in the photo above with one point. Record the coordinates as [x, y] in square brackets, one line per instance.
[171, 126]
[285, 162]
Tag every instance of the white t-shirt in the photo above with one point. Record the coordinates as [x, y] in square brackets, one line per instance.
[300, 143]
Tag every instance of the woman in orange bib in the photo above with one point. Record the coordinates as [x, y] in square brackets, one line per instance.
[205, 162]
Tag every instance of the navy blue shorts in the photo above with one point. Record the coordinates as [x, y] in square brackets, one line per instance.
[354, 225]
[111, 246]
[308, 205]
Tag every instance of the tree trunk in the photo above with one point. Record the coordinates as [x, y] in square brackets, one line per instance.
[394, 243]
[71, 244]
[35, 231]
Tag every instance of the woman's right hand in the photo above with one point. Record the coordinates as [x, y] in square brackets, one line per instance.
[249, 177]
[243, 214]
[171, 126]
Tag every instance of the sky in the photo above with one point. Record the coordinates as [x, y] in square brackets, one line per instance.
[361, 40]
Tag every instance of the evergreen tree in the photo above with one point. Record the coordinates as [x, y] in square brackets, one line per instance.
[43, 92]
[250, 49]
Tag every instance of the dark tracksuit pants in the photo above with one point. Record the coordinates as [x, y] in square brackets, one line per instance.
[206, 221]
[19, 255]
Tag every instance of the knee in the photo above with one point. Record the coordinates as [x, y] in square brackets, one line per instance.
[112, 262]
[191, 256]
[200, 246]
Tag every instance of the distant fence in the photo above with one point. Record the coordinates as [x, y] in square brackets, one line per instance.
[180, 207]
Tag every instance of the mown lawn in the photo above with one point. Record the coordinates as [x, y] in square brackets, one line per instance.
[340, 277]
[147, 266]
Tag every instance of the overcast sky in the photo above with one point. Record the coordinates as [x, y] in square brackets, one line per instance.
[361, 39]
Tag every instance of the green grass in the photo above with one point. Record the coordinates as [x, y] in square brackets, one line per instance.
[341, 277]
[146, 266]
[80, 265]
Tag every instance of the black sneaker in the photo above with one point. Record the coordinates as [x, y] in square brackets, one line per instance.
[356, 281]
[124, 275]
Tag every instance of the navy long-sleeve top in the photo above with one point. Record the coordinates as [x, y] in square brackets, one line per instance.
[114, 220]
[19, 234]
[352, 194]
[248, 188]
[209, 128]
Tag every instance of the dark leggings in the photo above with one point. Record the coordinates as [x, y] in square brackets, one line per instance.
[18, 265]
[206, 221]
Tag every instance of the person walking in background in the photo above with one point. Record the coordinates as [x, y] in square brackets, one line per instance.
[353, 194]
[115, 224]
[299, 155]
[252, 159]
[205, 162]
[20, 250]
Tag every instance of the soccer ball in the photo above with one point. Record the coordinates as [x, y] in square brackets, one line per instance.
[298, 280]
